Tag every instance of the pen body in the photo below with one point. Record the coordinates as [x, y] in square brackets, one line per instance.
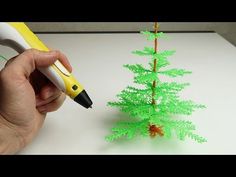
[21, 38]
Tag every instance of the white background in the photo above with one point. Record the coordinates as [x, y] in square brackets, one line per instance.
[97, 61]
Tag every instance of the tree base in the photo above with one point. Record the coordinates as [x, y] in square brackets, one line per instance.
[154, 131]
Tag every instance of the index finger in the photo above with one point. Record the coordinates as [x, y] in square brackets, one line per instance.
[64, 60]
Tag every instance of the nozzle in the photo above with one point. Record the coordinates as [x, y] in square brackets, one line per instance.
[83, 99]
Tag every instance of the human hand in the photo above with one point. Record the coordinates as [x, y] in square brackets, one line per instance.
[26, 96]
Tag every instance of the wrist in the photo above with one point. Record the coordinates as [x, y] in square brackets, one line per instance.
[11, 141]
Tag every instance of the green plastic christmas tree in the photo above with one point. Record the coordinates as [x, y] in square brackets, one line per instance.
[152, 107]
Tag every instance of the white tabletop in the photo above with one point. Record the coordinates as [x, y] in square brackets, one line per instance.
[97, 61]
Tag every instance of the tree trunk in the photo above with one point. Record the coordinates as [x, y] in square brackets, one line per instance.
[154, 65]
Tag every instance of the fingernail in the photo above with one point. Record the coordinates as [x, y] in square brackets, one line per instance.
[39, 103]
[53, 52]
[42, 109]
[49, 93]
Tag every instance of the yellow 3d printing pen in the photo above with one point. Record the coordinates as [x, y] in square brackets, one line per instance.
[19, 37]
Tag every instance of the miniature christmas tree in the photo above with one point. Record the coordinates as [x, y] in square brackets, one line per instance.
[152, 108]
